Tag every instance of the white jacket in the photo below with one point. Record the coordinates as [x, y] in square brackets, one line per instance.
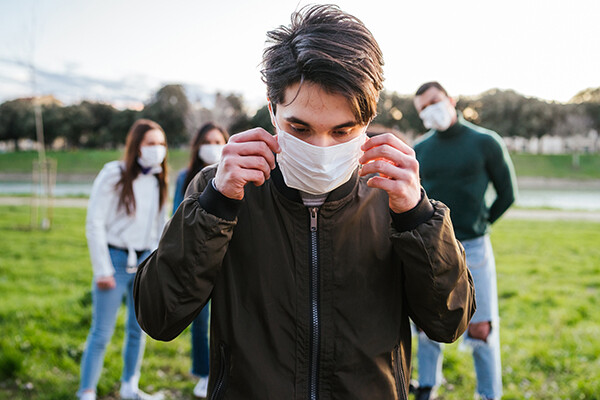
[106, 223]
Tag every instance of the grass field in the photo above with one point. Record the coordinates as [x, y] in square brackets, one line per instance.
[549, 289]
[77, 162]
[557, 166]
[91, 161]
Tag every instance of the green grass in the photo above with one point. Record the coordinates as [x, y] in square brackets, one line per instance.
[557, 166]
[87, 162]
[45, 315]
[549, 290]
[91, 161]
[549, 294]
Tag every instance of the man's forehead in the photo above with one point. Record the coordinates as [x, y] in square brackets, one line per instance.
[309, 94]
[306, 98]
[433, 93]
[430, 96]
[311, 99]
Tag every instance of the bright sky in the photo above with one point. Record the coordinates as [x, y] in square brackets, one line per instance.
[545, 48]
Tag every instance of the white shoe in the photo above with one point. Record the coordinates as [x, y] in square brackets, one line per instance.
[139, 395]
[201, 388]
[88, 396]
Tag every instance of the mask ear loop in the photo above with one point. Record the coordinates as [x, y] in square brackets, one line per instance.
[272, 114]
[367, 138]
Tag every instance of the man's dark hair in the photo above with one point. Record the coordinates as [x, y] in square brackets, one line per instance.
[328, 47]
[426, 86]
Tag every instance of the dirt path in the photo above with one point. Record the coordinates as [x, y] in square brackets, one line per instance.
[514, 213]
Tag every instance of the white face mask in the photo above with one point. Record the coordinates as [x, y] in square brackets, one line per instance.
[152, 156]
[316, 169]
[210, 153]
[438, 116]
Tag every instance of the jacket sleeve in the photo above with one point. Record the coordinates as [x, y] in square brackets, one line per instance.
[161, 221]
[102, 199]
[502, 175]
[439, 288]
[175, 282]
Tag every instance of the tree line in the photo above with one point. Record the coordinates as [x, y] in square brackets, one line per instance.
[99, 125]
[506, 112]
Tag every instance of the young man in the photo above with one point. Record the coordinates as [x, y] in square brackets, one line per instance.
[458, 161]
[313, 264]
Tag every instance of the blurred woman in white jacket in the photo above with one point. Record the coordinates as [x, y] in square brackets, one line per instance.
[125, 218]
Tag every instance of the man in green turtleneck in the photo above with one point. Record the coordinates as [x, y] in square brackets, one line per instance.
[458, 162]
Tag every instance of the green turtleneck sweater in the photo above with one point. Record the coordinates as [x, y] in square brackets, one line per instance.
[457, 167]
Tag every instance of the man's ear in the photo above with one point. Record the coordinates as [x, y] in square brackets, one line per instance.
[452, 101]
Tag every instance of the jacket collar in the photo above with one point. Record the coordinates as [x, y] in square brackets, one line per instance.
[294, 195]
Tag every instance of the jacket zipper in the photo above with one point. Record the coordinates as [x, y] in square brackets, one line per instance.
[222, 378]
[399, 374]
[314, 307]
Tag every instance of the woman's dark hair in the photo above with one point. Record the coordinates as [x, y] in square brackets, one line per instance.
[331, 48]
[196, 163]
[132, 168]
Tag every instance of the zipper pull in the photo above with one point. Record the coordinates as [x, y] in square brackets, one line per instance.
[313, 218]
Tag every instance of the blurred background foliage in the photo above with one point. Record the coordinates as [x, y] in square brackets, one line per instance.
[99, 125]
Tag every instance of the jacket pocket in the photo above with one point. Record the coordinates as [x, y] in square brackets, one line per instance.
[399, 375]
[221, 383]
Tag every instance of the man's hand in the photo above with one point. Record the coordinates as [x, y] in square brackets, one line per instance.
[398, 170]
[248, 157]
[106, 282]
[480, 330]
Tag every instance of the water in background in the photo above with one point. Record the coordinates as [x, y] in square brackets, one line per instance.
[568, 199]
[561, 199]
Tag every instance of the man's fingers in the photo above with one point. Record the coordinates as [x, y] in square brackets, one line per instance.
[255, 163]
[389, 139]
[381, 167]
[389, 172]
[248, 149]
[256, 176]
[390, 154]
[403, 196]
[248, 157]
[398, 170]
[245, 169]
[257, 134]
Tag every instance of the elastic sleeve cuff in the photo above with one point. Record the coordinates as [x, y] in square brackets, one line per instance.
[215, 203]
[410, 219]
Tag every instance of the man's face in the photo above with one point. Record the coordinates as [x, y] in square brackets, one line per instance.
[316, 116]
[431, 96]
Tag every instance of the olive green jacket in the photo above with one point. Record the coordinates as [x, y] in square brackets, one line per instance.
[306, 303]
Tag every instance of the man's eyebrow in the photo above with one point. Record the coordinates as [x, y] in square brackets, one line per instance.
[295, 120]
[427, 104]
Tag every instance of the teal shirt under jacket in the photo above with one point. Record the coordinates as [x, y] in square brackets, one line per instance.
[457, 167]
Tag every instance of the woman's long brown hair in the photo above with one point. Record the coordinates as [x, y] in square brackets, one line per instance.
[132, 168]
[196, 163]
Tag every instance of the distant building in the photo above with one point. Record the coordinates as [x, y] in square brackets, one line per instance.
[549, 144]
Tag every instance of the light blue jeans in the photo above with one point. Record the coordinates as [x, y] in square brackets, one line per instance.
[105, 307]
[200, 348]
[486, 355]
